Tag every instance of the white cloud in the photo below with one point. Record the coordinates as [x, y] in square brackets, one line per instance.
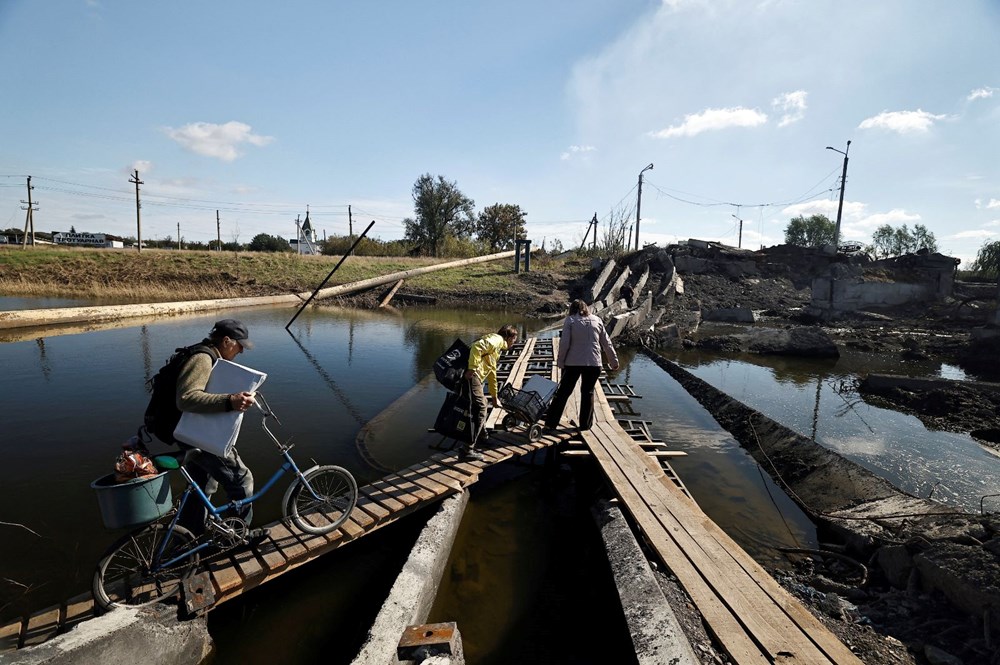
[575, 150]
[980, 93]
[711, 120]
[995, 222]
[978, 233]
[219, 141]
[792, 106]
[894, 216]
[994, 203]
[140, 165]
[902, 122]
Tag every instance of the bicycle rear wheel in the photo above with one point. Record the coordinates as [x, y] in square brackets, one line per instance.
[126, 574]
[337, 494]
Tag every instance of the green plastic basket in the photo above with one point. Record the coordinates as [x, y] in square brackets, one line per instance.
[134, 502]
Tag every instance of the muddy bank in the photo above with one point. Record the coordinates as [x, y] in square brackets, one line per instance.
[926, 562]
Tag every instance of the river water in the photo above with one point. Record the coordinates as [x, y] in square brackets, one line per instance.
[527, 550]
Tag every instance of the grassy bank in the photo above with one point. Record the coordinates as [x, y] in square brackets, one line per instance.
[164, 275]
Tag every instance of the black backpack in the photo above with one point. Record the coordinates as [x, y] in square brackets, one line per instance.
[450, 367]
[162, 414]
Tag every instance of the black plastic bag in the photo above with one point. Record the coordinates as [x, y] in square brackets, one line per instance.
[450, 367]
[455, 418]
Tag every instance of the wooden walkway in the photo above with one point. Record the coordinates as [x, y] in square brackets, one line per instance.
[380, 503]
[754, 619]
[747, 611]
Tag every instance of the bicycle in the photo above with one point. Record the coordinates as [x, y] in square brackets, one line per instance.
[150, 563]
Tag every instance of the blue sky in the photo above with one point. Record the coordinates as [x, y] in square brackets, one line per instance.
[259, 109]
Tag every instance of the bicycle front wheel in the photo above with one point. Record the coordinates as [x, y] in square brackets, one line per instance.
[129, 574]
[336, 494]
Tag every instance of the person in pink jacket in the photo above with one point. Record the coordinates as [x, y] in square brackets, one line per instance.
[583, 338]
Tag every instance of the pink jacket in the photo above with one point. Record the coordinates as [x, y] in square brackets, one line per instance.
[583, 337]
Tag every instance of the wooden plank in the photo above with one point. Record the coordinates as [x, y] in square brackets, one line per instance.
[469, 467]
[380, 498]
[666, 453]
[288, 542]
[225, 575]
[720, 621]
[10, 636]
[409, 487]
[438, 473]
[715, 561]
[465, 479]
[361, 517]
[413, 474]
[42, 626]
[248, 567]
[270, 556]
[404, 496]
[392, 292]
[78, 608]
[373, 508]
[351, 529]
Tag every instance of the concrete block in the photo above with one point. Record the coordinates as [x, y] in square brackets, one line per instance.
[413, 593]
[610, 294]
[692, 265]
[598, 285]
[618, 324]
[656, 634]
[151, 636]
[729, 315]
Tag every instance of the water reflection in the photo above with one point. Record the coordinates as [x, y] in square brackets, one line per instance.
[819, 398]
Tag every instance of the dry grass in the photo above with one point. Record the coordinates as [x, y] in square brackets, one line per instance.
[165, 275]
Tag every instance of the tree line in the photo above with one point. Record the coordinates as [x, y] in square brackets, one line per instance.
[444, 223]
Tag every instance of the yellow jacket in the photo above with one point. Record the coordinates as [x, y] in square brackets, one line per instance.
[483, 359]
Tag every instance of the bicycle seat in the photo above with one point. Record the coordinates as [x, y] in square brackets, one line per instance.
[166, 462]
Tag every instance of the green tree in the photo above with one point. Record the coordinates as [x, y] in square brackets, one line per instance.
[888, 241]
[815, 231]
[499, 224]
[987, 262]
[441, 210]
[263, 242]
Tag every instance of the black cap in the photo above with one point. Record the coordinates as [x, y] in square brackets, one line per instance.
[234, 330]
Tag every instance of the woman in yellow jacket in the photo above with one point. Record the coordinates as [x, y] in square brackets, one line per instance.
[483, 357]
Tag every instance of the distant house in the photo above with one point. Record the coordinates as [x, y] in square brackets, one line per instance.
[86, 240]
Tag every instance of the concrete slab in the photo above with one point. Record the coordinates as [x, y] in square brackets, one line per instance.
[656, 633]
[151, 636]
[412, 596]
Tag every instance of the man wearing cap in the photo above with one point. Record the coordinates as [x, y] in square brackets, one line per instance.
[227, 339]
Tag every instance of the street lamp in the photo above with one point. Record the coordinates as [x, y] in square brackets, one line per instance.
[638, 205]
[840, 206]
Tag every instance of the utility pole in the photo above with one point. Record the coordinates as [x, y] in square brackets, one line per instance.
[739, 241]
[29, 218]
[638, 205]
[350, 223]
[138, 221]
[218, 231]
[586, 235]
[178, 235]
[840, 206]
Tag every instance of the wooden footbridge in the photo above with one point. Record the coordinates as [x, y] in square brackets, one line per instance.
[751, 616]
